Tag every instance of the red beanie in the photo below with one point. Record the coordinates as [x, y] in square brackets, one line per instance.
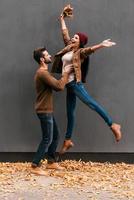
[83, 38]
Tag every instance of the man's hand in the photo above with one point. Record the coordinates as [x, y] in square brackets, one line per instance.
[69, 69]
[108, 43]
[67, 11]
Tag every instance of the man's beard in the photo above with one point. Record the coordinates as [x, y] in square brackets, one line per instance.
[48, 61]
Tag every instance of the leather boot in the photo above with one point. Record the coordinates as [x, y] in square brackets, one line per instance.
[66, 145]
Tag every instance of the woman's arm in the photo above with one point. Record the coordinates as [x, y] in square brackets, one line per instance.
[67, 12]
[63, 24]
[105, 43]
[65, 33]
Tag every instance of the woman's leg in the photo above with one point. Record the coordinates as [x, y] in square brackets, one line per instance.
[82, 94]
[70, 107]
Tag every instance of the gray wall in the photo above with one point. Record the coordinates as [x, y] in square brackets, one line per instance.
[25, 25]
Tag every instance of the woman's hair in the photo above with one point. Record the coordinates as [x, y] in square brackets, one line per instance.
[84, 67]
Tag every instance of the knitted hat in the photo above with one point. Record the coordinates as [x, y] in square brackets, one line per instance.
[83, 38]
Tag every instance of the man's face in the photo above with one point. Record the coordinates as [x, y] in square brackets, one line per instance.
[47, 57]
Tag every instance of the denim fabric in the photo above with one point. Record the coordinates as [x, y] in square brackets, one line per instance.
[50, 138]
[77, 90]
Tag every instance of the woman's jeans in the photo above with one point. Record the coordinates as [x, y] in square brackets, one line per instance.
[50, 138]
[74, 90]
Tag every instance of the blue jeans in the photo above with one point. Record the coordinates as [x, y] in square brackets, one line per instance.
[50, 138]
[77, 90]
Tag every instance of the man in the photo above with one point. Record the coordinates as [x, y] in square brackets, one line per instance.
[45, 83]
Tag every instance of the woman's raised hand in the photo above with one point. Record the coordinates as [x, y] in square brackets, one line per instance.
[67, 11]
[108, 43]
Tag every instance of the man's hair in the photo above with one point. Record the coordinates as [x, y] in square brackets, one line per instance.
[38, 53]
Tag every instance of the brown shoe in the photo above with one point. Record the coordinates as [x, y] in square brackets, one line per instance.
[38, 171]
[54, 166]
[66, 145]
[116, 129]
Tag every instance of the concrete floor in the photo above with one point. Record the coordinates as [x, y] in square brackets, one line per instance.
[50, 188]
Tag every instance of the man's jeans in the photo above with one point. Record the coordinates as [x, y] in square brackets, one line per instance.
[77, 90]
[50, 138]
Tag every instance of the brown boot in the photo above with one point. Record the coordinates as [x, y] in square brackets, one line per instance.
[116, 129]
[54, 166]
[66, 145]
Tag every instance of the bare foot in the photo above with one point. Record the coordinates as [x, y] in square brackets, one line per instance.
[116, 129]
[66, 145]
[54, 166]
[38, 171]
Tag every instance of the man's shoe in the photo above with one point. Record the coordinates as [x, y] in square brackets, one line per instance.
[38, 171]
[66, 145]
[54, 166]
[116, 129]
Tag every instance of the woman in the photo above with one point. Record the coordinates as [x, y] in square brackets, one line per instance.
[75, 53]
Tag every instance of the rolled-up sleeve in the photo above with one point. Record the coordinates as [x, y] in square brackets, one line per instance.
[66, 37]
[86, 51]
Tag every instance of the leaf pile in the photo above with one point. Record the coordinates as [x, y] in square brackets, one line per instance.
[115, 178]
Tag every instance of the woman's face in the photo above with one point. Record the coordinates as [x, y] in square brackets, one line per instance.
[75, 39]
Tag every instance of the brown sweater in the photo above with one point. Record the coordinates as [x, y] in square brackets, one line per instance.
[45, 83]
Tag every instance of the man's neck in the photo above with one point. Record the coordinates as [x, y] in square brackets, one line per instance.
[44, 66]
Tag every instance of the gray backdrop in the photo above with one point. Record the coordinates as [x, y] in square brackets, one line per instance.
[25, 25]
